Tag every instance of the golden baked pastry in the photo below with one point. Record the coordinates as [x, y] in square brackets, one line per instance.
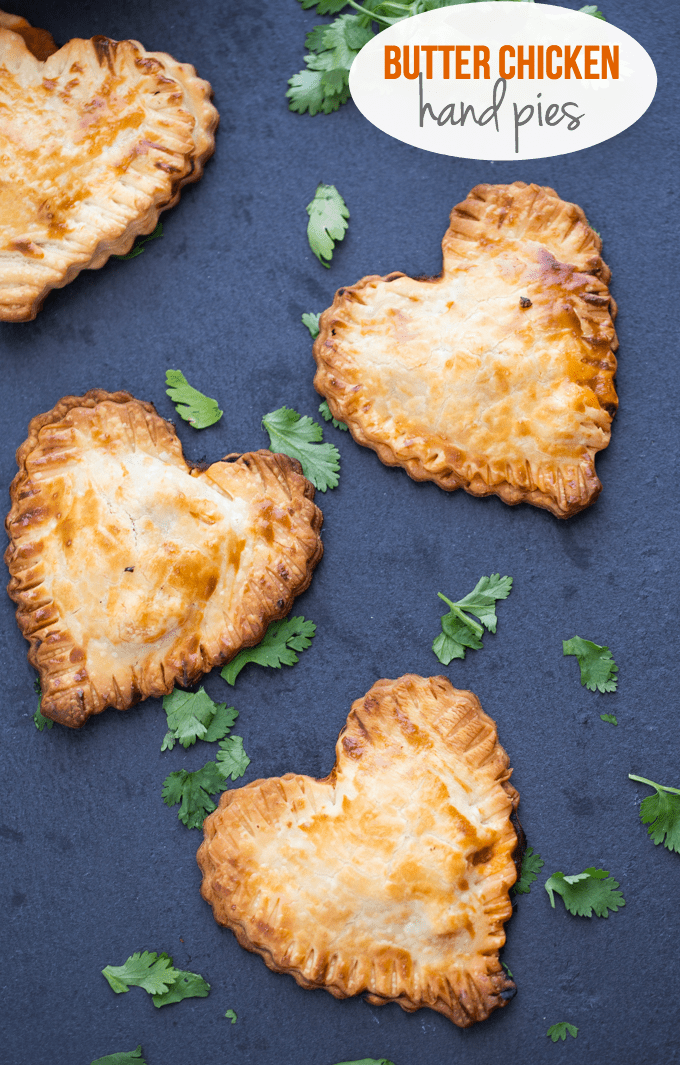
[133, 571]
[392, 875]
[95, 142]
[39, 42]
[497, 376]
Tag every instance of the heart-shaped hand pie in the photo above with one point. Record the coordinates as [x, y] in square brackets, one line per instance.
[497, 376]
[392, 875]
[130, 569]
[95, 141]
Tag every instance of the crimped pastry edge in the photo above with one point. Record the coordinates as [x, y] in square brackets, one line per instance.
[328, 380]
[292, 471]
[200, 93]
[339, 991]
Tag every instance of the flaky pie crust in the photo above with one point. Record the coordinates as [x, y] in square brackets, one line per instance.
[96, 139]
[391, 877]
[496, 377]
[133, 570]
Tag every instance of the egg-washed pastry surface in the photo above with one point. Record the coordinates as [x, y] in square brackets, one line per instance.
[39, 42]
[96, 140]
[391, 877]
[130, 569]
[496, 377]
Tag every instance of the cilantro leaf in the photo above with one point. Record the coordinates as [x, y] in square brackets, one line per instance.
[324, 85]
[277, 648]
[324, 411]
[131, 1057]
[368, 1061]
[459, 631]
[328, 216]
[232, 760]
[39, 719]
[662, 813]
[231, 1016]
[598, 668]
[325, 7]
[298, 437]
[559, 1031]
[314, 91]
[139, 246]
[197, 409]
[154, 972]
[610, 718]
[592, 9]
[193, 791]
[532, 864]
[186, 985]
[507, 970]
[592, 891]
[194, 717]
[312, 323]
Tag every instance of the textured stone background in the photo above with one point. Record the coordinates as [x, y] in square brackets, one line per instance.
[96, 866]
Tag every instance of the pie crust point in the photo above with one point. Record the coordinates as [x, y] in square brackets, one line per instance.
[391, 877]
[134, 571]
[497, 376]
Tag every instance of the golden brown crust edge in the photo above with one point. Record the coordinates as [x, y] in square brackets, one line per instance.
[191, 666]
[464, 219]
[198, 95]
[478, 733]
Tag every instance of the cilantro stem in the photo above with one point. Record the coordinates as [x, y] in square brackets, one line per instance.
[477, 629]
[659, 787]
[368, 14]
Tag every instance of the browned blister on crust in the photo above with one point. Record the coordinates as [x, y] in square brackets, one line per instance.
[97, 139]
[391, 877]
[133, 571]
[496, 377]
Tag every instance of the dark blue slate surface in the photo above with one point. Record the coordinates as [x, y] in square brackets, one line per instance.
[95, 865]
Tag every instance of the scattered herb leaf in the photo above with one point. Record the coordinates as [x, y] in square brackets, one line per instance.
[194, 717]
[610, 718]
[232, 760]
[277, 648]
[231, 1016]
[39, 719]
[312, 323]
[141, 242]
[193, 791]
[592, 891]
[368, 1061]
[559, 1031]
[186, 985]
[592, 9]
[532, 864]
[197, 409]
[299, 437]
[598, 668]
[146, 969]
[325, 412]
[131, 1057]
[507, 970]
[662, 813]
[459, 631]
[328, 216]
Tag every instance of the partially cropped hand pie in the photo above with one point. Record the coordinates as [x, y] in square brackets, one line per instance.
[496, 377]
[391, 877]
[130, 569]
[96, 139]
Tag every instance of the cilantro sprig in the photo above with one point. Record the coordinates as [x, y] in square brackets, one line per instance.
[277, 648]
[598, 668]
[328, 214]
[323, 86]
[312, 322]
[141, 243]
[39, 719]
[459, 630]
[194, 716]
[662, 813]
[592, 891]
[156, 974]
[193, 791]
[559, 1031]
[300, 438]
[191, 405]
[130, 1057]
[325, 412]
[532, 864]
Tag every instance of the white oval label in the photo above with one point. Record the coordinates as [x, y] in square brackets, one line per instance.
[502, 80]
